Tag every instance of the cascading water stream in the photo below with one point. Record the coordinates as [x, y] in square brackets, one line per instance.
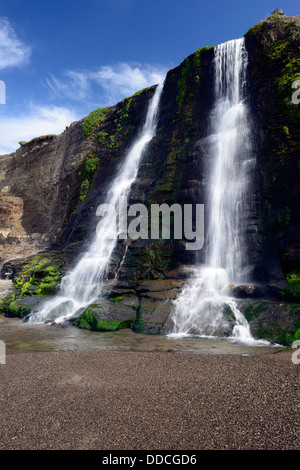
[83, 285]
[203, 308]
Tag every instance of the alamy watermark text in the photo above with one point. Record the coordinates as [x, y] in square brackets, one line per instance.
[180, 222]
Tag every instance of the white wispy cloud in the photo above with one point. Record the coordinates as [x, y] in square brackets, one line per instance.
[74, 86]
[122, 79]
[106, 85]
[13, 52]
[36, 122]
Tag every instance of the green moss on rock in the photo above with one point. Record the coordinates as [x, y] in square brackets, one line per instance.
[5, 302]
[39, 276]
[89, 321]
[116, 299]
[278, 335]
[86, 175]
[276, 38]
[153, 262]
[292, 290]
[138, 325]
[93, 120]
[17, 309]
[101, 137]
[275, 321]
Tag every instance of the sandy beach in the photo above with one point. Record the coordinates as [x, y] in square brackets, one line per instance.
[74, 400]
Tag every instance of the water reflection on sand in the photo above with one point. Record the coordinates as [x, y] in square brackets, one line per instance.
[21, 337]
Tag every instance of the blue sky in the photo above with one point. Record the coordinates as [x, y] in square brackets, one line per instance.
[61, 59]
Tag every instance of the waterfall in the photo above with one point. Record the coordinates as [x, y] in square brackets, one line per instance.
[204, 308]
[83, 285]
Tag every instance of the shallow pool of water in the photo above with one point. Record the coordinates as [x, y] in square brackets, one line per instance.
[24, 337]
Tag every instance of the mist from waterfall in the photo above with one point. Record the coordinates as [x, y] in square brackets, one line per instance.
[204, 308]
[83, 285]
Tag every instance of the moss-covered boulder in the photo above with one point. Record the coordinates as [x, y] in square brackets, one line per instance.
[34, 279]
[156, 304]
[275, 321]
[21, 307]
[5, 302]
[96, 319]
[39, 276]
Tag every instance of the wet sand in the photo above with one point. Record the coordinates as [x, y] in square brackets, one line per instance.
[22, 337]
[111, 400]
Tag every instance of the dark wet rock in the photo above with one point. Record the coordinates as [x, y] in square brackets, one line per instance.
[182, 272]
[275, 321]
[253, 291]
[153, 316]
[76, 314]
[119, 309]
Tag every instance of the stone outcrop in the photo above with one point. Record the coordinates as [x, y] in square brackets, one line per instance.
[36, 190]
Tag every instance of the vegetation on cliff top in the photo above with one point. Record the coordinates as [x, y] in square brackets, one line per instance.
[278, 37]
[93, 120]
[190, 74]
[107, 134]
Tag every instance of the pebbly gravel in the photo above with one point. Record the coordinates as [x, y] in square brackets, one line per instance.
[133, 401]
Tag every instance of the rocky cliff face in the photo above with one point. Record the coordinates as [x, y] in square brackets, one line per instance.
[36, 191]
[51, 186]
[274, 64]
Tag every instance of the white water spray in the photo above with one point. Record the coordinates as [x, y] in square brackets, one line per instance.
[204, 308]
[83, 285]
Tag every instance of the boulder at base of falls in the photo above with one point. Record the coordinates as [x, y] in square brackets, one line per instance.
[108, 315]
[144, 306]
[275, 321]
[252, 291]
